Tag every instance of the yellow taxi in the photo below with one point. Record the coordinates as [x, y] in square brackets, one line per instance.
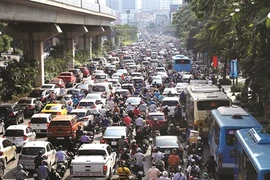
[55, 109]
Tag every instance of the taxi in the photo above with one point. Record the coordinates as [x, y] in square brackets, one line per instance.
[55, 109]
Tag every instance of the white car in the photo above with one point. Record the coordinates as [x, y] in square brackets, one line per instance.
[136, 74]
[171, 102]
[134, 101]
[94, 161]
[115, 82]
[8, 151]
[31, 149]
[40, 122]
[51, 87]
[167, 90]
[122, 71]
[160, 69]
[116, 75]
[100, 78]
[162, 74]
[20, 134]
[84, 115]
[181, 87]
[97, 96]
[90, 104]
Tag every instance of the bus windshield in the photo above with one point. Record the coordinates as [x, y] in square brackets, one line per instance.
[213, 104]
[182, 61]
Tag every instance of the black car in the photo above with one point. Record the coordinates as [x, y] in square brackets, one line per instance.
[11, 114]
[29, 105]
[166, 144]
[41, 94]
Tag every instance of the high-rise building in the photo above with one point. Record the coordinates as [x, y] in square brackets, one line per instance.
[129, 5]
[165, 4]
[150, 5]
[114, 4]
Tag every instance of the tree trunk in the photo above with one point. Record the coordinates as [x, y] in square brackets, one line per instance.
[225, 70]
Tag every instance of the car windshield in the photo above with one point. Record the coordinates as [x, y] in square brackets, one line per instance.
[82, 86]
[166, 142]
[38, 120]
[72, 92]
[14, 132]
[169, 103]
[159, 117]
[93, 96]
[24, 101]
[67, 98]
[33, 151]
[100, 76]
[35, 93]
[53, 108]
[98, 88]
[86, 104]
[65, 74]
[55, 81]
[133, 100]
[115, 132]
[91, 152]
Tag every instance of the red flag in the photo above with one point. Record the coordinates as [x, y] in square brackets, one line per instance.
[215, 61]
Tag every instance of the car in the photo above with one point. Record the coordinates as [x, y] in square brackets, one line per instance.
[58, 82]
[134, 101]
[128, 86]
[115, 82]
[145, 63]
[113, 134]
[29, 105]
[78, 74]
[90, 104]
[136, 74]
[162, 74]
[187, 77]
[40, 122]
[87, 88]
[31, 149]
[84, 115]
[172, 103]
[110, 69]
[51, 87]
[181, 87]
[94, 161]
[96, 96]
[85, 71]
[104, 88]
[159, 115]
[122, 71]
[19, 134]
[156, 81]
[160, 69]
[11, 114]
[166, 144]
[8, 151]
[41, 94]
[116, 75]
[55, 109]
[100, 78]
[68, 77]
[67, 99]
[79, 93]
[124, 92]
[132, 67]
[173, 91]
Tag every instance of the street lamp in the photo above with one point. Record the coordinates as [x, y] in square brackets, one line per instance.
[127, 12]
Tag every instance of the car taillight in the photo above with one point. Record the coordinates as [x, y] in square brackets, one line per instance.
[105, 168]
[31, 107]
[58, 113]
[24, 138]
[42, 99]
[1, 153]
[11, 114]
[3, 136]
[220, 159]
[102, 141]
[47, 124]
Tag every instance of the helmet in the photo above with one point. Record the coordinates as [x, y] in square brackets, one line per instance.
[133, 141]
[172, 124]
[155, 119]
[205, 175]
[166, 106]
[60, 147]
[174, 151]
[116, 113]
[144, 121]
[123, 163]
[193, 151]
[139, 150]
[199, 138]
[165, 173]
[179, 169]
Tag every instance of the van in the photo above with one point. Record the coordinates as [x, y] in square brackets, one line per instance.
[104, 88]
[62, 129]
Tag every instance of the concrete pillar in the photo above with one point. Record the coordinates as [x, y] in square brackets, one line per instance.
[38, 55]
[71, 50]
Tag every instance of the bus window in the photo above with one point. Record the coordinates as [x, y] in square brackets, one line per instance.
[217, 133]
[182, 61]
[267, 176]
[230, 137]
[209, 105]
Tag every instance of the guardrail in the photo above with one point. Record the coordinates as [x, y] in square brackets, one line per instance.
[89, 5]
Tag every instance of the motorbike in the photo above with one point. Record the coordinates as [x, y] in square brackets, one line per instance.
[173, 170]
[212, 176]
[61, 168]
[97, 129]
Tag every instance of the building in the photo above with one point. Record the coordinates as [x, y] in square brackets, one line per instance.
[150, 5]
[114, 4]
[122, 5]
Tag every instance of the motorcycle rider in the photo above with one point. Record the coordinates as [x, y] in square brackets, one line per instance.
[133, 147]
[75, 101]
[85, 138]
[102, 111]
[54, 175]
[205, 176]
[43, 171]
[158, 157]
[38, 159]
[164, 176]
[166, 111]
[193, 170]
[153, 172]
[19, 173]
[152, 107]
[139, 157]
[193, 156]
[61, 156]
[136, 111]
[122, 144]
[105, 123]
[124, 155]
[97, 119]
[123, 171]
[179, 175]
[173, 160]
[127, 121]
[170, 94]
[129, 107]
[116, 119]
[139, 122]
[172, 130]
[200, 145]
[211, 165]
[155, 126]
[79, 133]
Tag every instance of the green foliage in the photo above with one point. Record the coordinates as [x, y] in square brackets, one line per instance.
[126, 33]
[17, 78]
[82, 57]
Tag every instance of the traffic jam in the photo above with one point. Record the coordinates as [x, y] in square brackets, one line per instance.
[148, 110]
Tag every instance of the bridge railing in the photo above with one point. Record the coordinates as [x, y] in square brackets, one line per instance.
[89, 5]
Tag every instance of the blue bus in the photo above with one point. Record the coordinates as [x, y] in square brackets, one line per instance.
[252, 156]
[223, 122]
[181, 63]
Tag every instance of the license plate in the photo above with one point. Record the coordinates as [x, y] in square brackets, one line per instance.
[113, 143]
[60, 138]
[34, 175]
[29, 167]
[37, 130]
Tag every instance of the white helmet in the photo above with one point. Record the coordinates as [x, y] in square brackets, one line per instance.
[199, 138]
[133, 141]
[165, 173]
[139, 150]
[155, 119]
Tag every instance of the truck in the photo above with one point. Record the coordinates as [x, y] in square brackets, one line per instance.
[93, 161]
[68, 77]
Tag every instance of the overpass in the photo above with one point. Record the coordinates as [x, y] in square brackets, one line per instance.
[34, 21]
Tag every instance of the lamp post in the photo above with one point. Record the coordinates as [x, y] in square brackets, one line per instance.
[127, 12]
